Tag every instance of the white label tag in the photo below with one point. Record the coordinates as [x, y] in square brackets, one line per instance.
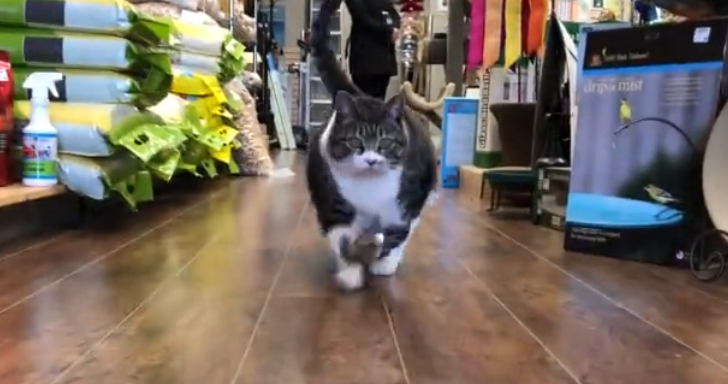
[701, 35]
[192, 17]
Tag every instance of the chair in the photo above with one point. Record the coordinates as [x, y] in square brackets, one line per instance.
[515, 129]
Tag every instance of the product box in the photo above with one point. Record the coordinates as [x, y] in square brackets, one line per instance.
[6, 120]
[584, 29]
[646, 110]
[472, 182]
[459, 124]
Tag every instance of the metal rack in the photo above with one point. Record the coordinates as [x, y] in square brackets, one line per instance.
[318, 102]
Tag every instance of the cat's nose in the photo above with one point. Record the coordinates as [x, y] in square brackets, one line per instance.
[371, 162]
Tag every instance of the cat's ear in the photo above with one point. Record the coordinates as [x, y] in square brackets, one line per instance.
[344, 103]
[396, 106]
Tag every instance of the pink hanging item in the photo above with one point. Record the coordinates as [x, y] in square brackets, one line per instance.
[475, 35]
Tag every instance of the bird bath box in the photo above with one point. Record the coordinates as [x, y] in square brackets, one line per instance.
[645, 112]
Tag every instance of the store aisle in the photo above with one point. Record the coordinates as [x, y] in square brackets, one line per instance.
[230, 286]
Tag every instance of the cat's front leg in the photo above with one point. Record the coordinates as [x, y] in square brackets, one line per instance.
[349, 274]
[393, 246]
[392, 252]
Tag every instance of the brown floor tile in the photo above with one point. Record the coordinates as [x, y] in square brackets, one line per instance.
[339, 339]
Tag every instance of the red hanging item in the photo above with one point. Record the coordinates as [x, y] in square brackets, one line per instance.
[525, 14]
[538, 11]
[411, 6]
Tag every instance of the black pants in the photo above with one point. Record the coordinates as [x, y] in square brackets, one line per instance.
[374, 86]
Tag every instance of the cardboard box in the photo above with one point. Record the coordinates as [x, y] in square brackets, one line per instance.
[472, 181]
[459, 123]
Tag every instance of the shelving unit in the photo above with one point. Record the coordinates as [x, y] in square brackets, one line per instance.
[17, 193]
[318, 99]
[551, 196]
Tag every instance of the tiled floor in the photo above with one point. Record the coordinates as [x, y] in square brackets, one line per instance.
[231, 286]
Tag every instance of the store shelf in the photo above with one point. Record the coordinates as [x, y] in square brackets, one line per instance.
[551, 196]
[319, 115]
[551, 205]
[319, 100]
[18, 193]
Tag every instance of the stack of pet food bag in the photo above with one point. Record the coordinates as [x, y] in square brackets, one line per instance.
[209, 12]
[198, 60]
[112, 70]
[118, 123]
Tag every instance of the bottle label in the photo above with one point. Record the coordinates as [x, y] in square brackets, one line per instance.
[39, 156]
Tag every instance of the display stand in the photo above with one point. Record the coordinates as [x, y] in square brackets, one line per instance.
[264, 46]
[284, 131]
[552, 196]
[319, 102]
[554, 121]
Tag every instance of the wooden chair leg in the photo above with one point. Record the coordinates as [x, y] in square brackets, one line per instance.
[494, 199]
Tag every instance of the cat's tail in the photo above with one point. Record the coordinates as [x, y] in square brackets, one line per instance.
[324, 58]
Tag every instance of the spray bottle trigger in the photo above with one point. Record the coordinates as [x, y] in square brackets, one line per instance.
[53, 89]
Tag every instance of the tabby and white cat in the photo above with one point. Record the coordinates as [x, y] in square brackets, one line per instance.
[370, 171]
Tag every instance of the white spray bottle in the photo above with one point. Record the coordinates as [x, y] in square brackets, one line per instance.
[40, 138]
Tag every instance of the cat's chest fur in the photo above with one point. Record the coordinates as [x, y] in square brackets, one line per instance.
[374, 196]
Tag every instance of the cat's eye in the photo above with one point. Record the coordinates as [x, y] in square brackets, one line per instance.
[385, 143]
[354, 143]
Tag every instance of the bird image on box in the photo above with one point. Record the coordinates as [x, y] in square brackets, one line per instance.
[625, 111]
[660, 195]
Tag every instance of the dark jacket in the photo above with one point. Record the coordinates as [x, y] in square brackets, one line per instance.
[371, 49]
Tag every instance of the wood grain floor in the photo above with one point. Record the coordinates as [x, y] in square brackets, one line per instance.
[230, 285]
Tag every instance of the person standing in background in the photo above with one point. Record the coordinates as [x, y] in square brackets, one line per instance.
[371, 46]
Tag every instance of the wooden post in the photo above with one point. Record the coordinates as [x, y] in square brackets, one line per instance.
[456, 35]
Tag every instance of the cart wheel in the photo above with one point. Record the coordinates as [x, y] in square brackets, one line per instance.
[706, 263]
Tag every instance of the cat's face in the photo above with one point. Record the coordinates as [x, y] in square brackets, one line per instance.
[367, 135]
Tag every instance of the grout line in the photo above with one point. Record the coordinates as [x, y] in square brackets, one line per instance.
[134, 311]
[39, 244]
[105, 255]
[721, 300]
[604, 296]
[393, 331]
[517, 319]
[666, 276]
[520, 322]
[269, 296]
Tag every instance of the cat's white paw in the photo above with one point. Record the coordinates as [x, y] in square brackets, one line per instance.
[379, 239]
[385, 266]
[432, 198]
[350, 277]
[376, 240]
